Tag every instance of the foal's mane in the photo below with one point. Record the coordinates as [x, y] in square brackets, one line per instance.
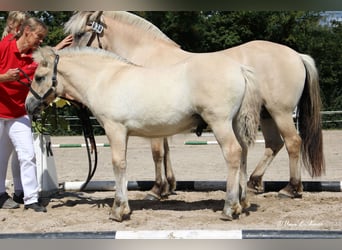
[46, 55]
[74, 51]
[78, 21]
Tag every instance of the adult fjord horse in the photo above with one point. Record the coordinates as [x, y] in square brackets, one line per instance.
[285, 79]
[130, 100]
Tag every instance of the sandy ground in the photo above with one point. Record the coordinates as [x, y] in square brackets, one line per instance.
[70, 211]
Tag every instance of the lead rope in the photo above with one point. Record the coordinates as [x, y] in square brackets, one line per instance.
[87, 127]
[88, 133]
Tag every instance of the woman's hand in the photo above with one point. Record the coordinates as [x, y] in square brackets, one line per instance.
[10, 75]
[64, 43]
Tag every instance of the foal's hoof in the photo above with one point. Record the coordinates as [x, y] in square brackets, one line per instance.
[245, 204]
[231, 212]
[226, 217]
[119, 218]
[229, 217]
[115, 217]
[120, 211]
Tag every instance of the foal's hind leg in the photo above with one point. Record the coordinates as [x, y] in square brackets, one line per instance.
[243, 178]
[232, 151]
[273, 144]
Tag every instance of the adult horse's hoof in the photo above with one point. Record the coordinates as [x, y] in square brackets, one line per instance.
[256, 185]
[152, 197]
[291, 192]
[285, 195]
[172, 185]
[173, 192]
[158, 192]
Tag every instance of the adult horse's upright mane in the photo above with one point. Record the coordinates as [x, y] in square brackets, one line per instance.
[141, 24]
[79, 20]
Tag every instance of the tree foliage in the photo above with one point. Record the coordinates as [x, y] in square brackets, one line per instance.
[304, 31]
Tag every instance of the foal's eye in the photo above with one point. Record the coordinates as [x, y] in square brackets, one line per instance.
[39, 78]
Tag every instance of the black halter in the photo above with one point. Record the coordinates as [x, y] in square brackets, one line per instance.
[97, 29]
[52, 89]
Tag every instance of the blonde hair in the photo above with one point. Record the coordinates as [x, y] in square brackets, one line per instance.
[33, 23]
[14, 20]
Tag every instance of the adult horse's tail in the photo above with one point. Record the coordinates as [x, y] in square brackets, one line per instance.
[248, 117]
[309, 120]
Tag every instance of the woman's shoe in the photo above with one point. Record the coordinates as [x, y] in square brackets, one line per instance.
[37, 207]
[6, 202]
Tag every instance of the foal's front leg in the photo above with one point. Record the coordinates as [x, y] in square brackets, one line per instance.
[118, 142]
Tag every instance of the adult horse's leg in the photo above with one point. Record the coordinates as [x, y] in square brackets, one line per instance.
[170, 176]
[117, 137]
[309, 145]
[272, 128]
[273, 144]
[310, 142]
[165, 182]
[293, 143]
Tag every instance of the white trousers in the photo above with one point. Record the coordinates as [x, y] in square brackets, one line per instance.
[17, 134]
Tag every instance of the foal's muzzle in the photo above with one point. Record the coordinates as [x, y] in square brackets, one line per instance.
[34, 106]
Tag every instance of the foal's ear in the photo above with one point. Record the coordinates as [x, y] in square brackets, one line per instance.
[43, 55]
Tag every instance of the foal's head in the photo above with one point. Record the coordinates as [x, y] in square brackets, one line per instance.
[43, 89]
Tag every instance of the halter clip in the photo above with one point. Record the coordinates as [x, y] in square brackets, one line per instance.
[97, 27]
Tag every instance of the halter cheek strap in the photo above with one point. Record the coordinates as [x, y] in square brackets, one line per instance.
[97, 29]
[51, 90]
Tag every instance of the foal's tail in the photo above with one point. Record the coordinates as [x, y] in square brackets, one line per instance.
[249, 114]
[309, 120]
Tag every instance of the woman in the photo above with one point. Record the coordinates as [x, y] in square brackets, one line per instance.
[13, 23]
[15, 124]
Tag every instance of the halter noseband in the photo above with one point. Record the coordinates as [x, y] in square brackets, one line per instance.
[51, 89]
[97, 29]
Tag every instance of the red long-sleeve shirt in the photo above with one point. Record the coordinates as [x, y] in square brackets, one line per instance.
[13, 93]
